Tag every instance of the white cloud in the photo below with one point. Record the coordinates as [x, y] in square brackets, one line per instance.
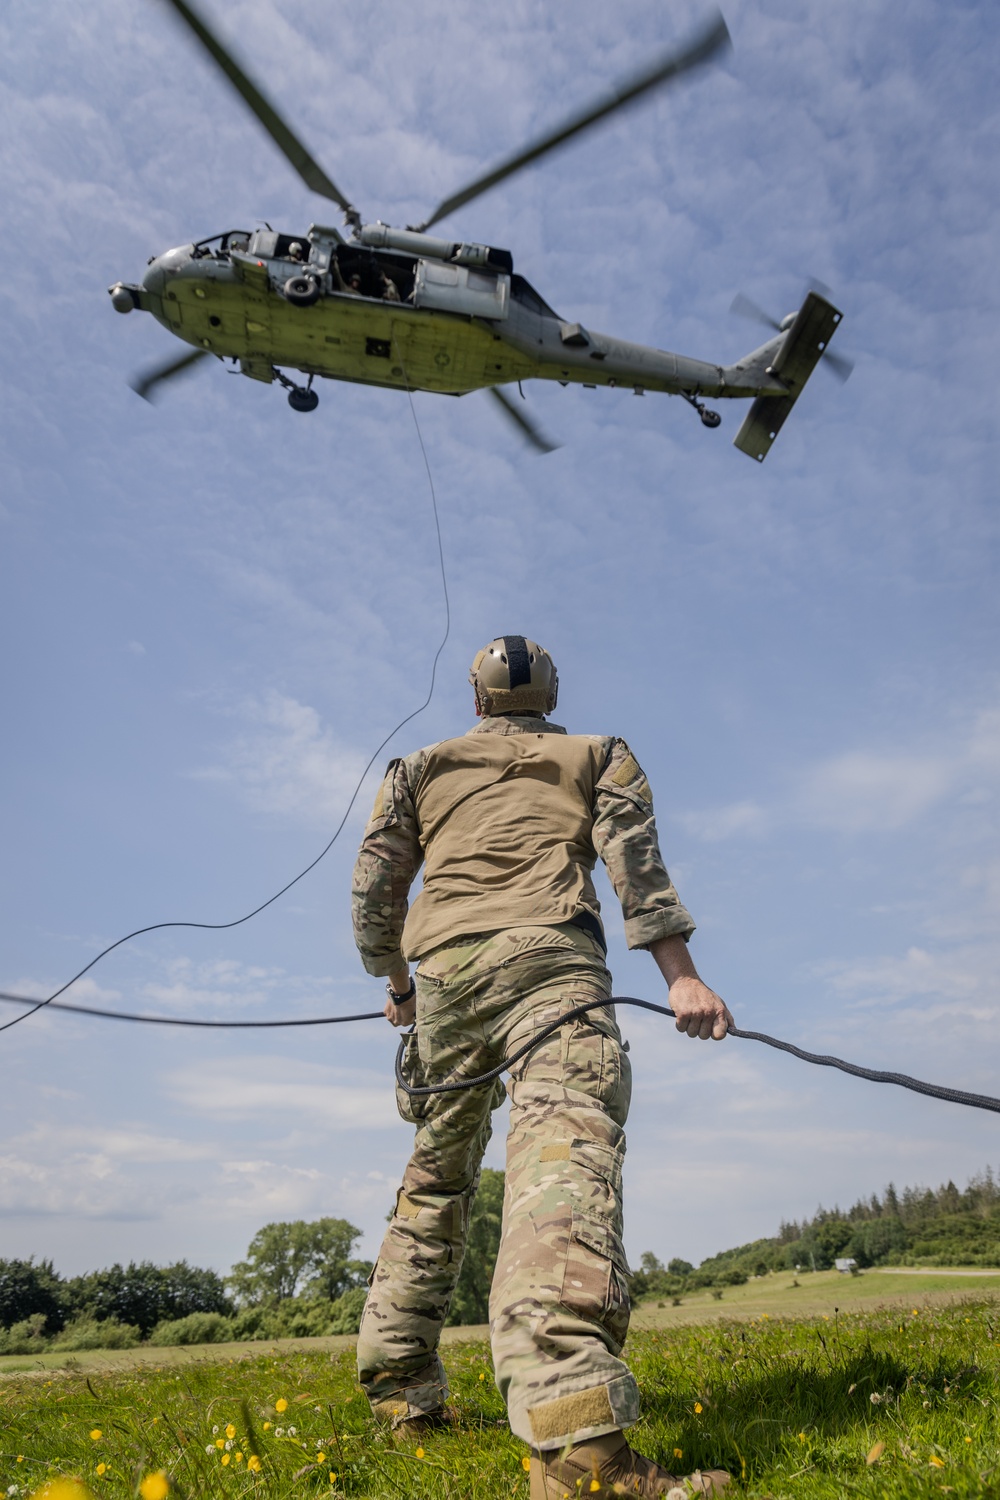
[863, 792]
[739, 819]
[287, 763]
[924, 993]
[83, 1171]
[307, 1094]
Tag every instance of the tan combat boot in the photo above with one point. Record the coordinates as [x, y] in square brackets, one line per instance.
[606, 1467]
[406, 1421]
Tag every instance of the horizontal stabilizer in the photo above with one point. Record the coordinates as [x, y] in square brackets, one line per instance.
[815, 324]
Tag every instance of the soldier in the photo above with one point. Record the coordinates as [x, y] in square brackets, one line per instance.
[509, 820]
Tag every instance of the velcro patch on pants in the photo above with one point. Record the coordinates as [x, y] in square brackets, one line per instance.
[406, 1208]
[569, 1414]
[558, 1151]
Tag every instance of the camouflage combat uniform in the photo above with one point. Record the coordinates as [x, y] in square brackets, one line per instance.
[508, 937]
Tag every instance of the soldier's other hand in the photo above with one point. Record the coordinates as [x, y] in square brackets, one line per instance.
[401, 1015]
[699, 1011]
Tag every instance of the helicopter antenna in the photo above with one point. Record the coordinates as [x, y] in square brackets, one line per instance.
[282, 135]
[709, 42]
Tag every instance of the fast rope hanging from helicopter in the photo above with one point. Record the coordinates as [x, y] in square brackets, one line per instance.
[452, 1085]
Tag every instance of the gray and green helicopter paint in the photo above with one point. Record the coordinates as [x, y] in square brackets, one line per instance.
[459, 319]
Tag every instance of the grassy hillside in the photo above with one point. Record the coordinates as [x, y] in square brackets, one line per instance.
[917, 1227]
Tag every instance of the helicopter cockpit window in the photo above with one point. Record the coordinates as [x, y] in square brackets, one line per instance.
[219, 245]
[294, 247]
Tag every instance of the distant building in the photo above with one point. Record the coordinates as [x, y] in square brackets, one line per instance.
[846, 1267]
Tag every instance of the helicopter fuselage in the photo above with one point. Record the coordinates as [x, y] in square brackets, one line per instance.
[403, 310]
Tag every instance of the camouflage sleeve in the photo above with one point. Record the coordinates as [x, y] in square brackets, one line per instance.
[625, 838]
[387, 863]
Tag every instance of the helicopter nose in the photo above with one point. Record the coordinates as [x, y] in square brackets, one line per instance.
[160, 266]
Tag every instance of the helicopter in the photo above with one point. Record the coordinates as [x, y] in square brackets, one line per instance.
[407, 310]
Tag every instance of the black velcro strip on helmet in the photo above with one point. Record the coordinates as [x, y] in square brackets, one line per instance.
[518, 664]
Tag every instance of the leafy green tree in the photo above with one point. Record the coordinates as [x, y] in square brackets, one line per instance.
[676, 1267]
[288, 1258]
[143, 1295]
[471, 1302]
[27, 1289]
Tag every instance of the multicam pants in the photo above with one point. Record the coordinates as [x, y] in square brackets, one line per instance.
[559, 1306]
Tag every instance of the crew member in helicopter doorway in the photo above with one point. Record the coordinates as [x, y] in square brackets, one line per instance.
[509, 820]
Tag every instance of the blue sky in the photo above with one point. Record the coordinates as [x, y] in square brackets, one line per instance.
[215, 608]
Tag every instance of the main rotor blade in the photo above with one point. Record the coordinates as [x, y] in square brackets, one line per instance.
[308, 168]
[744, 308]
[146, 382]
[713, 38]
[531, 431]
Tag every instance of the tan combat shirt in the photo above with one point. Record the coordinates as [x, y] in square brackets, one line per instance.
[510, 818]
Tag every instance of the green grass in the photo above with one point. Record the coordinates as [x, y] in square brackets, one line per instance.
[792, 1406]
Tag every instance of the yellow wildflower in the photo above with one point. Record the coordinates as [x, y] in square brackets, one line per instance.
[321, 1457]
[937, 1462]
[483, 1375]
[238, 1457]
[698, 1408]
[267, 1426]
[281, 1404]
[253, 1464]
[96, 1434]
[20, 1458]
[420, 1452]
[678, 1452]
[333, 1476]
[155, 1486]
[595, 1484]
[225, 1459]
[802, 1437]
[525, 1464]
[230, 1430]
[968, 1440]
[220, 1442]
[102, 1468]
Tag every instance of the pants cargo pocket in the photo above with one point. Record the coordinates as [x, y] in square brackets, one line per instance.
[595, 1278]
[413, 1111]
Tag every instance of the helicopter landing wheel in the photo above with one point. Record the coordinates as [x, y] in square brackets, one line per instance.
[299, 399]
[709, 418]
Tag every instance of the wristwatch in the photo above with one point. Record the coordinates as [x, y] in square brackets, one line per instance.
[401, 999]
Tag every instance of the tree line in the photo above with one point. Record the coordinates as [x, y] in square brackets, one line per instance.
[921, 1226]
[304, 1278]
[298, 1279]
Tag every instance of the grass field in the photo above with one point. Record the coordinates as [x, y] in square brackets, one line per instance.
[892, 1400]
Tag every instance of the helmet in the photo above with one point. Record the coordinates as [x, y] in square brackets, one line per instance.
[514, 676]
